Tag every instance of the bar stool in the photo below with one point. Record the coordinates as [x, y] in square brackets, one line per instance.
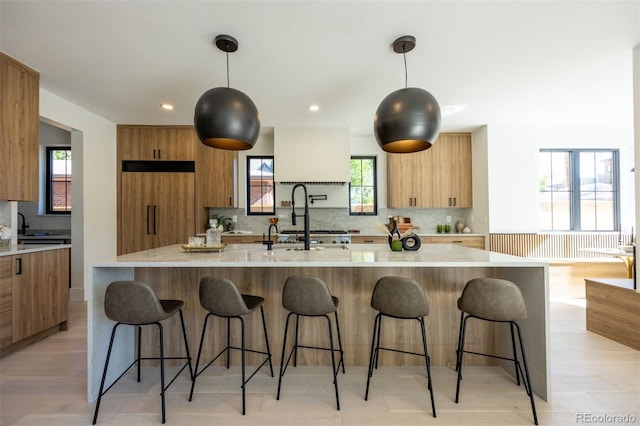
[309, 296]
[135, 303]
[400, 298]
[495, 300]
[222, 299]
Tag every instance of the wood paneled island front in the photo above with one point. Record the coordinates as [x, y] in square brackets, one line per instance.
[351, 273]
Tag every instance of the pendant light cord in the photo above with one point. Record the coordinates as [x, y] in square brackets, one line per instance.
[404, 54]
[228, 68]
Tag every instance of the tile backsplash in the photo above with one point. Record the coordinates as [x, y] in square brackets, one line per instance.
[339, 218]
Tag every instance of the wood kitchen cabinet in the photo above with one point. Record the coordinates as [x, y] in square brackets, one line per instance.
[451, 171]
[439, 177]
[34, 293]
[5, 301]
[19, 110]
[157, 209]
[472, 241]
[407, 180]
[216, 180]
[169, 143]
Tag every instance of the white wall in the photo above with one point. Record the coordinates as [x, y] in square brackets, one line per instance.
[93, 224]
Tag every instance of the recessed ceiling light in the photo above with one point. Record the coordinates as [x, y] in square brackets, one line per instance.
[452, 109]
[168, 107]
[314, 108]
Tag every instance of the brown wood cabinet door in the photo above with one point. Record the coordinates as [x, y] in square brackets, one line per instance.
[40, 291]
[5, 301]
[451, 171]
[169, 143]
[137, 208]
[400, 181]
[19, 130]
[174, 208]
[408, 180]
[216, 180]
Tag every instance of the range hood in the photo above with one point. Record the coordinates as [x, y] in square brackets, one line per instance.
[312, 155]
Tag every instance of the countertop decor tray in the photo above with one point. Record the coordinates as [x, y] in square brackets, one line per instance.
[219, 248]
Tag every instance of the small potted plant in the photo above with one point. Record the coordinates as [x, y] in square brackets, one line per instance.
[220, 220]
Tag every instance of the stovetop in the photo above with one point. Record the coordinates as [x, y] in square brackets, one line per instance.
[315, 232]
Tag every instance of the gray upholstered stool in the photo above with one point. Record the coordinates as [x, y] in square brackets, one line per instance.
[309, 297]
[496, 300]
[135, 303]
[400, 298]
[221, 298]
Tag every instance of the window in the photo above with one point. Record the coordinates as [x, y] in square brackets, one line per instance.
[579, 190]
[58, 180]
[261, 192]
[362, 188]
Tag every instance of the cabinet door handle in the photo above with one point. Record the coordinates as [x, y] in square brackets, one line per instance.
[230, 202]
[154, 154]
[449, 201]
[148, 207]
[415, 202]
[159, 154]
[155, 209]
[19, 266]
[368, 241]
[454, 201]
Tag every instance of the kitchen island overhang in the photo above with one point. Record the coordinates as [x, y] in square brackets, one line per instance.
[350, 273]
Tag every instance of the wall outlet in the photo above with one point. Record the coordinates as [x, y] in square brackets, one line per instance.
[234, 218]
[448, 219]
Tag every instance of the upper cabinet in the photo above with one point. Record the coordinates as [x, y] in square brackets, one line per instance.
[170, 143]
[19, 109]
[216, 180]
[451, 166]
[439, 177]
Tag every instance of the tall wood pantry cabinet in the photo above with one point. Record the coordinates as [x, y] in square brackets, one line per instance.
[19, 130]
[167, 180]
[439, 177]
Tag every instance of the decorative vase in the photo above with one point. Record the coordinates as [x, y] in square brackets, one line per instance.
[459, 226]
[394, 237]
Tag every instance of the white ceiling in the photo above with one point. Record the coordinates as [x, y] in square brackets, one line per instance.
[518, 62]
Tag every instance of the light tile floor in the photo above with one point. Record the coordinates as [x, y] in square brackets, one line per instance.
[45, 384]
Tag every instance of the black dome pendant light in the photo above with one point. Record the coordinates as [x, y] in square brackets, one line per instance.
[226, 118]
[407, 120]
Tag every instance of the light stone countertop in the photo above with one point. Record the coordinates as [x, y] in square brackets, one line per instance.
[352, 255]
[13, 249]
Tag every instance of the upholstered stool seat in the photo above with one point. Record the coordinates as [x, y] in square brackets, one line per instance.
[496, 300]
[400, 298]
[221, 298]
[135, 303]
[309, 296]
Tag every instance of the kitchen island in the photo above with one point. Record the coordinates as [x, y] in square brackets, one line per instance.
[351, 272]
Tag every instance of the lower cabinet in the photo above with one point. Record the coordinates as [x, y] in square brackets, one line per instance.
[33, 294]
[472, 241]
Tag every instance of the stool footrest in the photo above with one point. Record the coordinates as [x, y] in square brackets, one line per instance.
[402, 352]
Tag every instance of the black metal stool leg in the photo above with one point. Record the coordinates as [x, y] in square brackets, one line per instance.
[228, 341]
[284, 346]
[104, 373]
[295, 345]
[333, 362]
[243, 361]
[371, 355]
[266, 339]
[162, 370]
[186, 345]
[460, 356]
[526, 378]
[459, 339]
[428, 363]
[378, 342]
[139, 350]
[340, 343]
[515, 354]
[195, 374]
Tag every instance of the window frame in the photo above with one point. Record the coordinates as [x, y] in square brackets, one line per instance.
[48, 205]
[248, 187]
[375, 186]
[575, 222]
